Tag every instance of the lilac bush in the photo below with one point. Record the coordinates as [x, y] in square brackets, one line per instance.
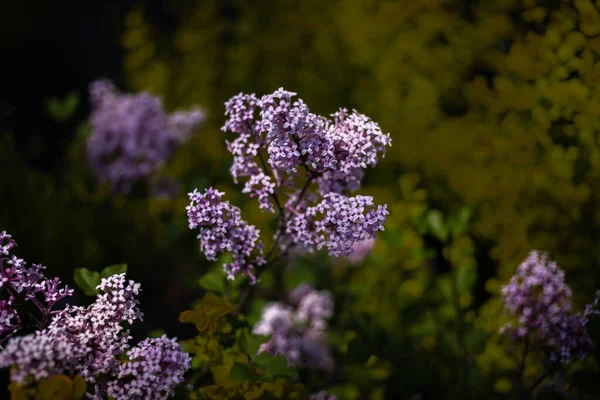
[132, 135]
[298, 331]
[299, 165]
[539, 298]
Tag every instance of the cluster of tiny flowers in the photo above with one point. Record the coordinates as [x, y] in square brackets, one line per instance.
[20, 284]
[334, 152]
[221, 228]
[541, 300]
[132, 135]
[338, 222]
[155, 368]
[86, 341]
[297, 331]
[277, 137]
[81, 340]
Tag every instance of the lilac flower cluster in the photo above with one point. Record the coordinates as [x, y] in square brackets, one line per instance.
[298, 330]
[132, 135]
[541, 300]
[20, 286]
[335, 153]
[154, 369]
[344, 221]
[277, 138]
[222, 229]
[86, 341]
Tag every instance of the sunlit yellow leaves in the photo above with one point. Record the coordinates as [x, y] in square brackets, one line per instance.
[206, 315]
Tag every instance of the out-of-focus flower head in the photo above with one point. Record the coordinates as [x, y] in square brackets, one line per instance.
[132, 135]
[360, 251]
[539, 298]
[299, 333]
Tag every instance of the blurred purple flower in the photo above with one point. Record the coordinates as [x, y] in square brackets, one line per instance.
[541, 300]
[360, 251]
[299, 334]
[132, 135]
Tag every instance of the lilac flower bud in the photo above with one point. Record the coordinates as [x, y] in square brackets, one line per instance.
[132, 135]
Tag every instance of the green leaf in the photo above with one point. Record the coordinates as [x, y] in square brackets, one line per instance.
[61, 110]
[435, 221]
[276, 366]
[248, 343]
[87, 281]
[239, 373]
[213, 281]
[113, 270]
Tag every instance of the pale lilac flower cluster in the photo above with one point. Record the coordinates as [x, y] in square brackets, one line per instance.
[278, 143]
[154, 369]
[132, 135]
[338, 222]
[80, 340]
[87, 340]
[222, 229]
[297, 331]
[334, 153]
[541, 300]
[21, 286]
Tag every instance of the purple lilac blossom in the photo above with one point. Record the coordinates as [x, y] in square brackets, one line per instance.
[222, 229]
[132, 136]
[87, 340]
[281, 133]
[344, 221]
[80, 340]
[20, 285]
[299, 333]
[155, 367]
[541, 300]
